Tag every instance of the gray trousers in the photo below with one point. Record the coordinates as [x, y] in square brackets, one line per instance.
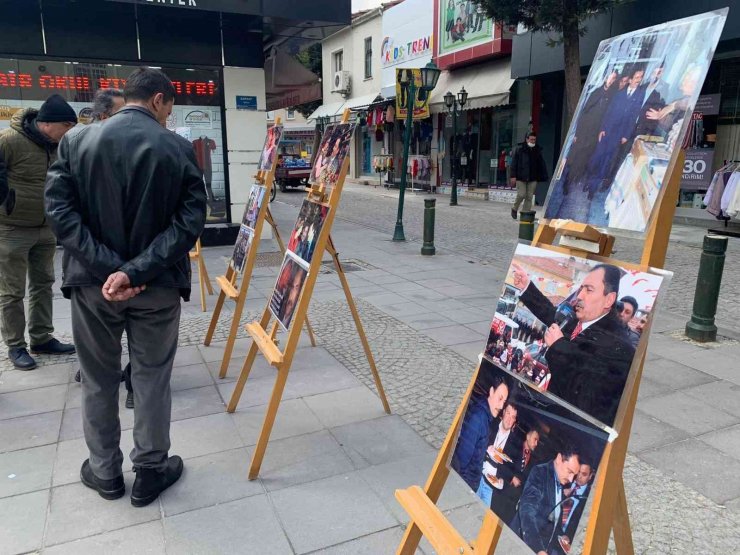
[151, 321]
[524, 192]
[26, 252]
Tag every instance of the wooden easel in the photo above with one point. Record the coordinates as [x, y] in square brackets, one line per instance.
[227, 283]
[264, 340]
[609, 510]
[203, 280]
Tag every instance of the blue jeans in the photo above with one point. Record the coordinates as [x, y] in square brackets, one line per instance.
[485, 492]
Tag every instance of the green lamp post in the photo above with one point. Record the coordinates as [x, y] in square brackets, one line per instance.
[454, 105]
[429, 76]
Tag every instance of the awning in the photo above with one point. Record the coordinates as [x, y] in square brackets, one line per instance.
[288, 83]
[331, 109]
[360, 101]
[487, 85]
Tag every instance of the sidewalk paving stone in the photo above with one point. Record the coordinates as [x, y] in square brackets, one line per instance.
[23, 518]
[142, 539]
[294, 418]
[687, 413]
[26, 470]
[29, 431]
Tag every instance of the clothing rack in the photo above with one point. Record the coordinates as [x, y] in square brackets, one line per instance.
[419, 166]
[723, 196]
[382, 164]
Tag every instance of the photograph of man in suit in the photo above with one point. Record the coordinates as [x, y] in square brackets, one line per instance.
[538, 516]
[503, 502]
[617, 131]
[483, 409]
[501, 441]
[572, 508]
[590, 359]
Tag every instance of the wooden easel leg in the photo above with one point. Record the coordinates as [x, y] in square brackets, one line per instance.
[214, 318]
[246, 368]
[489, 534]
[231, 276]
[233, 330]
[205, 274]
[272, 408]
[276, 231]
[621, 526]
[358, 324]
[438, 474]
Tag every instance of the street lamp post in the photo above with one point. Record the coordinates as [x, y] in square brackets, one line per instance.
[453, 104]
[429, 76]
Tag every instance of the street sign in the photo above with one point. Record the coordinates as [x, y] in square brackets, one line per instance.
[246, 102]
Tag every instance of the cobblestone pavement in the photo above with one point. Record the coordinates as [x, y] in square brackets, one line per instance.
[485, 231]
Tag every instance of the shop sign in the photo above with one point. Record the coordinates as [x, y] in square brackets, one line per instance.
[7, 112]
[228, 6]
[200, 119]
[246, 102]
[708, 104]
[697, 169]
[85, 116]
[408, 40]
[421, 107]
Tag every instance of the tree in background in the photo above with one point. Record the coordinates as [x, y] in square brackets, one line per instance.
[311, 59]
[566, 17]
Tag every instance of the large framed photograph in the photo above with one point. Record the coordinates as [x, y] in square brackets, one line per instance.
[288, 289]
[241, 248]
[462, 24]
[332, 151]
[630, 123]
[307, 229]
[529, 459]
[253, 206]
[572, 326]
[270, 148]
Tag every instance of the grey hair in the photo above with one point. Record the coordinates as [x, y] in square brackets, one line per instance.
[103, 102]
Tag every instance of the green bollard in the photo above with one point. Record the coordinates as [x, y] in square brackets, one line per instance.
[526, 226]
[427, 248]
[701, 326]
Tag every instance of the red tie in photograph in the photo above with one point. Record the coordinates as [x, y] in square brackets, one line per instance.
[576, 332]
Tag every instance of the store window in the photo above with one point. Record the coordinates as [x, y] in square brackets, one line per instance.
[196, 115]
[368, 57]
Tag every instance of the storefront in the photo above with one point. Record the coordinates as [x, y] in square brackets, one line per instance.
[714, 133]
[476, 146]
[76, 47]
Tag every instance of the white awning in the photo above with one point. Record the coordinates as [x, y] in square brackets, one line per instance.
[487, 85]
[360, 101]
[330, 109]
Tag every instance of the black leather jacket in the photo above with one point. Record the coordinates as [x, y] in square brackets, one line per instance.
[126, 194]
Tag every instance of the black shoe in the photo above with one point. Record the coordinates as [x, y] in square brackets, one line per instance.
[150, 483]
[129, 399]
[21, 359]
[107, 489]
[78, 376]
[514, 213]
[53, 347]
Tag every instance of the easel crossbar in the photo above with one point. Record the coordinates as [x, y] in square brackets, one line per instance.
[265, 344]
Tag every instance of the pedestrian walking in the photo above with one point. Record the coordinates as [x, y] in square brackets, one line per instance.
[27, 244]
[527, 168]
[127, 201]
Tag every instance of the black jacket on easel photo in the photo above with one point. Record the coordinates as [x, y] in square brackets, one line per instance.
[590, 371]
[528, 164]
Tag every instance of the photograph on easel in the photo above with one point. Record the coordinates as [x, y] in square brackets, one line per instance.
[571, 326]
[307, 229]
[269, 150]
[241, 248]
[254, 203]
[530, 460]
[288, 289]
[631, 121]
[334, 148]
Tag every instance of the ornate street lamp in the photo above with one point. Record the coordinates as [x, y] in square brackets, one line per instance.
[429, 77]
[455, 105]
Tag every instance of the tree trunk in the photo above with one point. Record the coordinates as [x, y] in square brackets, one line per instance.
[571, 41]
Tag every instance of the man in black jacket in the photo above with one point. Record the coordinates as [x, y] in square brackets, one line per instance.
[527, 168]
[127, 201]
[590, 360]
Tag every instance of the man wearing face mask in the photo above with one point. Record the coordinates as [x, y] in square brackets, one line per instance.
[590, 358]
[527, 168]
[127, 201]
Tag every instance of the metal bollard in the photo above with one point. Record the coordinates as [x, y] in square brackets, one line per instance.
[526, 225]
[701, 326]
[427, 248]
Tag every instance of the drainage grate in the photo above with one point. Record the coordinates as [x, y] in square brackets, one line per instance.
[348, 265]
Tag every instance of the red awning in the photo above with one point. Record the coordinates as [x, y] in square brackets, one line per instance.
[288, 83]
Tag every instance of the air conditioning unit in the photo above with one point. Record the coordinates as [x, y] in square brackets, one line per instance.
[341, 83]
